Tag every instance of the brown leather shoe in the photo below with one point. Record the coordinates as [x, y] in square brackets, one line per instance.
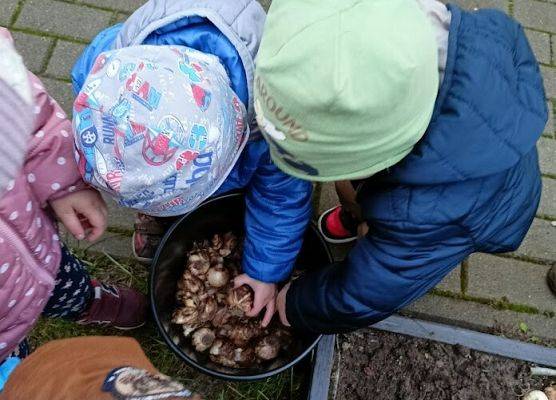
[551, 279]
[118, 307]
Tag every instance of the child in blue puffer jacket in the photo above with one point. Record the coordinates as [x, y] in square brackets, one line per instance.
[162, 118]
[436, 111]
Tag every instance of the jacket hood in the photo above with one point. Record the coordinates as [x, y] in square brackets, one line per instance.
[240, 21]
[491, 107]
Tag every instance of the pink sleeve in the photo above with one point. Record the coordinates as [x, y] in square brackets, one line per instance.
[50, 166]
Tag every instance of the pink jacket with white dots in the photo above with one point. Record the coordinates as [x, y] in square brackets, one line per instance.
[29, 242]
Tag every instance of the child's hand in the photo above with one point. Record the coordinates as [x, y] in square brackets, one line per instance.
[265, 295]
[83, 214]
[281, 304]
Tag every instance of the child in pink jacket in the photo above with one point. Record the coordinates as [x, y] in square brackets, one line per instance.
[39, 181]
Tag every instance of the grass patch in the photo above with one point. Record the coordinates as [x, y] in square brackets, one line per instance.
[500, 304]
[288, 386]
[120, 231]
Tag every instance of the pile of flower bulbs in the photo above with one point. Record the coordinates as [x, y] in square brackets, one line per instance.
[212, 313]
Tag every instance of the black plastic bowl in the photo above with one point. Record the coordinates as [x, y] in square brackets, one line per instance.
[219, 215]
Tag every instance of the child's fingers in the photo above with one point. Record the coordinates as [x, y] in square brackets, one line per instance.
[72, 224]
[270, 309]
[95, 234]
[260, 301]
[283, 318]
[104, 209]
[258, 305]
[97, 221]
[241, 280]
[281, 304]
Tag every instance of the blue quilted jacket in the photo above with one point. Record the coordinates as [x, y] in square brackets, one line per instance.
[278, 206]
[471, 185]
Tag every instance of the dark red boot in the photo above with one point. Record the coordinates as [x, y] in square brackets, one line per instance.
[118, 307]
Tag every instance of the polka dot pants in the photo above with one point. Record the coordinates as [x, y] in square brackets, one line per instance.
[73, 292]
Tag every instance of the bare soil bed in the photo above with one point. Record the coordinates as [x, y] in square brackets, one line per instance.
[376, 365]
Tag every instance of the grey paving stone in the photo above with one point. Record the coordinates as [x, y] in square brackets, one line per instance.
[119, 5]
[328, 197]
[471, 4]
[7, 9]
[548, 200]
[553, 43]
[113, 244]
[550, 125]
[61, 92]
[536, 14]
[117, 216]
[540, 42]
[540, 241]
[33, 49]
[480, 317]
[63, 58]
[547, 154]
[549, 76]
[121, 17]
[496, 278]
[65, 19]
[452, 282]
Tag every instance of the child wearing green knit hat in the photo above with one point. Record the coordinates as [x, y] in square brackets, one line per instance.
[434, 110]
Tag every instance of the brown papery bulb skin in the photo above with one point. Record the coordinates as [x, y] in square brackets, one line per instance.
[218, 276]
[268, 348]
[209, 310]
[229, 244]
[217, 242]
[244, 357]
[221, 317]
[284, 336]
[190, 283]
[240, 300]
[240, 334]
[203, 339]
[222, 352]
[185, 316]
[198, 264]
[213, 315]
[550, 392]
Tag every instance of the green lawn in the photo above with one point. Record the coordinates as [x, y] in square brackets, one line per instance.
[284, 387]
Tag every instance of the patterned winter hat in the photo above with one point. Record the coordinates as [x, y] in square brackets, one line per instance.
[158, 127]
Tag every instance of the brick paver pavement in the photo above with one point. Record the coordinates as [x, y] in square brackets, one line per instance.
[486, 290]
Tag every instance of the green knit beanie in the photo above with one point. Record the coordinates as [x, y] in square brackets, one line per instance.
[345, 88]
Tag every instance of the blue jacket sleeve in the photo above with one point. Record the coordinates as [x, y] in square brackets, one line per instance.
[102, 42]
[6, 369]
[278, 213]
[393, 266]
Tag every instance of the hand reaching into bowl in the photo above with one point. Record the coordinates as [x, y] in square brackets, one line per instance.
[265, 297]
